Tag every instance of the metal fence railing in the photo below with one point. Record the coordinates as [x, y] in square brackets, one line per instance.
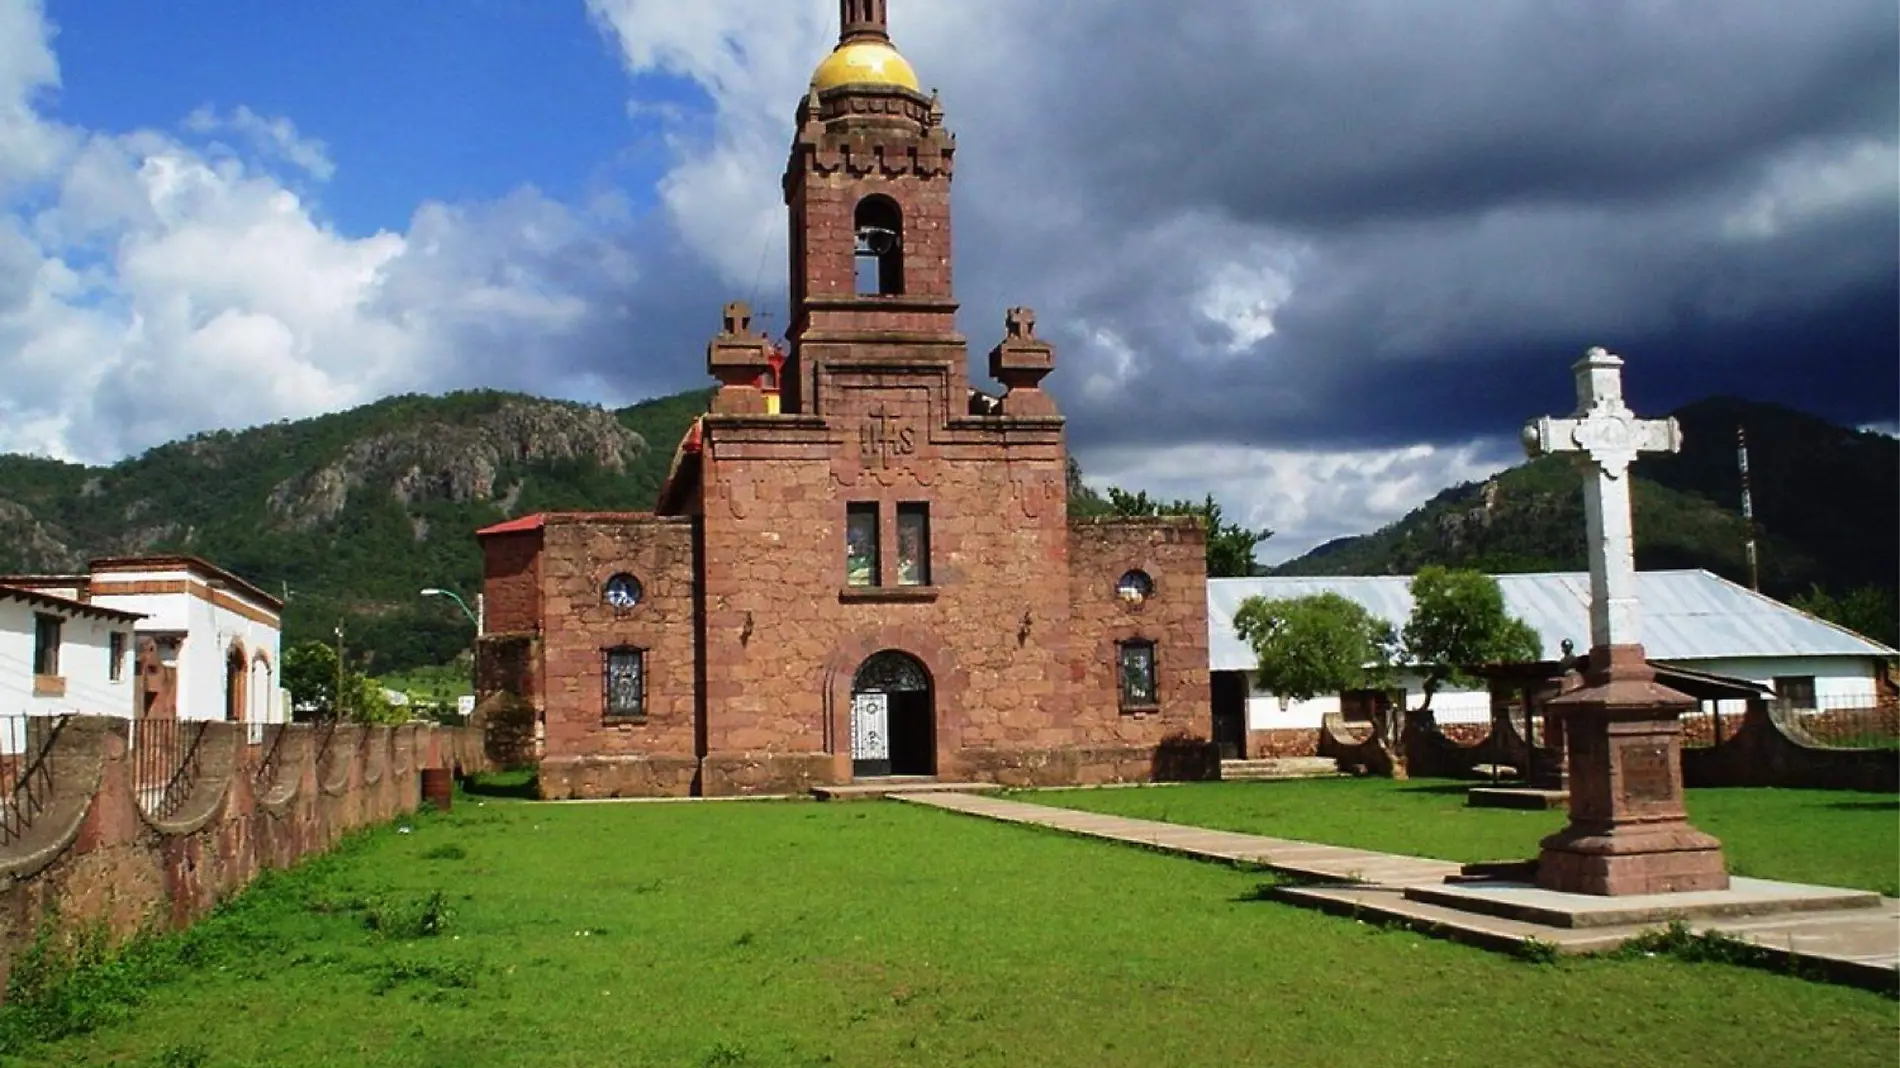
[26, 772]
[1712, 723]
[1841, 723]
[165, 763]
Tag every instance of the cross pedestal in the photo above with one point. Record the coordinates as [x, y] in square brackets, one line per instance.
[1629, 832]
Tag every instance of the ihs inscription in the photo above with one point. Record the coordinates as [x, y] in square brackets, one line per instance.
[883, 438]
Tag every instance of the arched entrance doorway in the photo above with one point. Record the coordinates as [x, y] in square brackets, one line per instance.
[234, 672]
[893, 723]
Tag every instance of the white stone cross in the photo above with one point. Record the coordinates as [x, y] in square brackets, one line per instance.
[1607, 436]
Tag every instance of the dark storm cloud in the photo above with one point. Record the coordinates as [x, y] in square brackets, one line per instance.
[1476, 193]
[1328, 115]
[1438, 205]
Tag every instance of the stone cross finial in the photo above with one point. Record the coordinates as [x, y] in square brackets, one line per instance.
[738, 319]
[1606, 437]
[1020, 323]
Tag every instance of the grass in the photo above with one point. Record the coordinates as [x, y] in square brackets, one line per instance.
[1827, 837]
[875, 934]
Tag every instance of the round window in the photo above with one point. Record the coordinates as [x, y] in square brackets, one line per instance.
[623, 591]
[1135, 587]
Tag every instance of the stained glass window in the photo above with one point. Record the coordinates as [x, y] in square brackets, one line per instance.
[890, 672]
[860, 552]
[623, 591]
[626, 682]
[913, 545]
[1138, 674]
[1134, 587]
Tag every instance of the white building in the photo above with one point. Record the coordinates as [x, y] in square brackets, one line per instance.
[60, 656]
[208, 642]
[1689, 619]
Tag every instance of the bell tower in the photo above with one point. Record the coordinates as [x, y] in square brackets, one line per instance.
[867, 190]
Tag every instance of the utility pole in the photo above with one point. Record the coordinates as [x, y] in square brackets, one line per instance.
[337, 704]
[1748, 508]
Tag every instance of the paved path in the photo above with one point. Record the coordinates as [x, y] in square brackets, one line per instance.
[1859, 945]
[1304, 859]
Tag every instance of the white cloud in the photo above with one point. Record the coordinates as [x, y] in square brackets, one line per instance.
[1306, 497]
[1291, 229]
[275, 136]
[150, 288]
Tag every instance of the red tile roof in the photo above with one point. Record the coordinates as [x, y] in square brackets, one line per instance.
[515, 526]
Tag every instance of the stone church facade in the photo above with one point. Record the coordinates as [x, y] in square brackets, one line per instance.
[860, 566]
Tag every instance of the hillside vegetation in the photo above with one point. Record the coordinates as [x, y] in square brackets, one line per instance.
[352, 514]
[1827, 511]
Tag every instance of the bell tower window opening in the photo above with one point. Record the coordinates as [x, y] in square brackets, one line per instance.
[878, 225]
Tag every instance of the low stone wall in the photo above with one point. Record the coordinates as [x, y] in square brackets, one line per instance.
[1356, 747]
[1283, 742]
[752, 774]
[93, 856]
[1761, 753]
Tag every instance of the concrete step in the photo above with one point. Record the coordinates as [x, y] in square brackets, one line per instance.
[897, 785]
[1279, 768]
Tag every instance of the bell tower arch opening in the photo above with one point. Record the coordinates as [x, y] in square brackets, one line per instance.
[878, 225]
[893, 717]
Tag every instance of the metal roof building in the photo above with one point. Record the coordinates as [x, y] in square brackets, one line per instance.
[1686, 615]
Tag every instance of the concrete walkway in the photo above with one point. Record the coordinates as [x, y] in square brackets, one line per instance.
[1302, 859]
[1854, 938]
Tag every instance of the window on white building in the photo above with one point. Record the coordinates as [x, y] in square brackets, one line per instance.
[46, 645]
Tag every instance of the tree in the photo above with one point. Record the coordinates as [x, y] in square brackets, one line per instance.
[1459, 622]
[1230, 546]
[1307, 647]
[1084, 501]
[310, 675]
[365, 702]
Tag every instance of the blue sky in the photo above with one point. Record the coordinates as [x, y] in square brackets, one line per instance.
[449, 99]
[1321, 258]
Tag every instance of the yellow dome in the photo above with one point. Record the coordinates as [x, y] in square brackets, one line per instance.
[865, 63]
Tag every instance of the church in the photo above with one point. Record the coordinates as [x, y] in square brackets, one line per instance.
[861, 568]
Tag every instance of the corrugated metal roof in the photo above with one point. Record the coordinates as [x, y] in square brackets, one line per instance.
[1686, 615]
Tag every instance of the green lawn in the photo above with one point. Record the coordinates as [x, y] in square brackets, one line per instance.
[879, 935]
[1829, 837]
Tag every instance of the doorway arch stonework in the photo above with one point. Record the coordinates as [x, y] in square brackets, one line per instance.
[948, 683]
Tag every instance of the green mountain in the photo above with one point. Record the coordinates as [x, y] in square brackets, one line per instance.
[1827, 510]
[353, 513]
[350, 513]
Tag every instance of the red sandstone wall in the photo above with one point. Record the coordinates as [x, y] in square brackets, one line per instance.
[784, 633]
[93, 857]
[511, 582]
[585, 754]
[1173, 553]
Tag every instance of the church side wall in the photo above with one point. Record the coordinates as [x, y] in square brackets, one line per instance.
[1170, 739]
[511, 582]
[587, 752]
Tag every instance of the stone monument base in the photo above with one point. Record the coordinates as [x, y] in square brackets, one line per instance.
[1628, 832]
[1666, 859]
